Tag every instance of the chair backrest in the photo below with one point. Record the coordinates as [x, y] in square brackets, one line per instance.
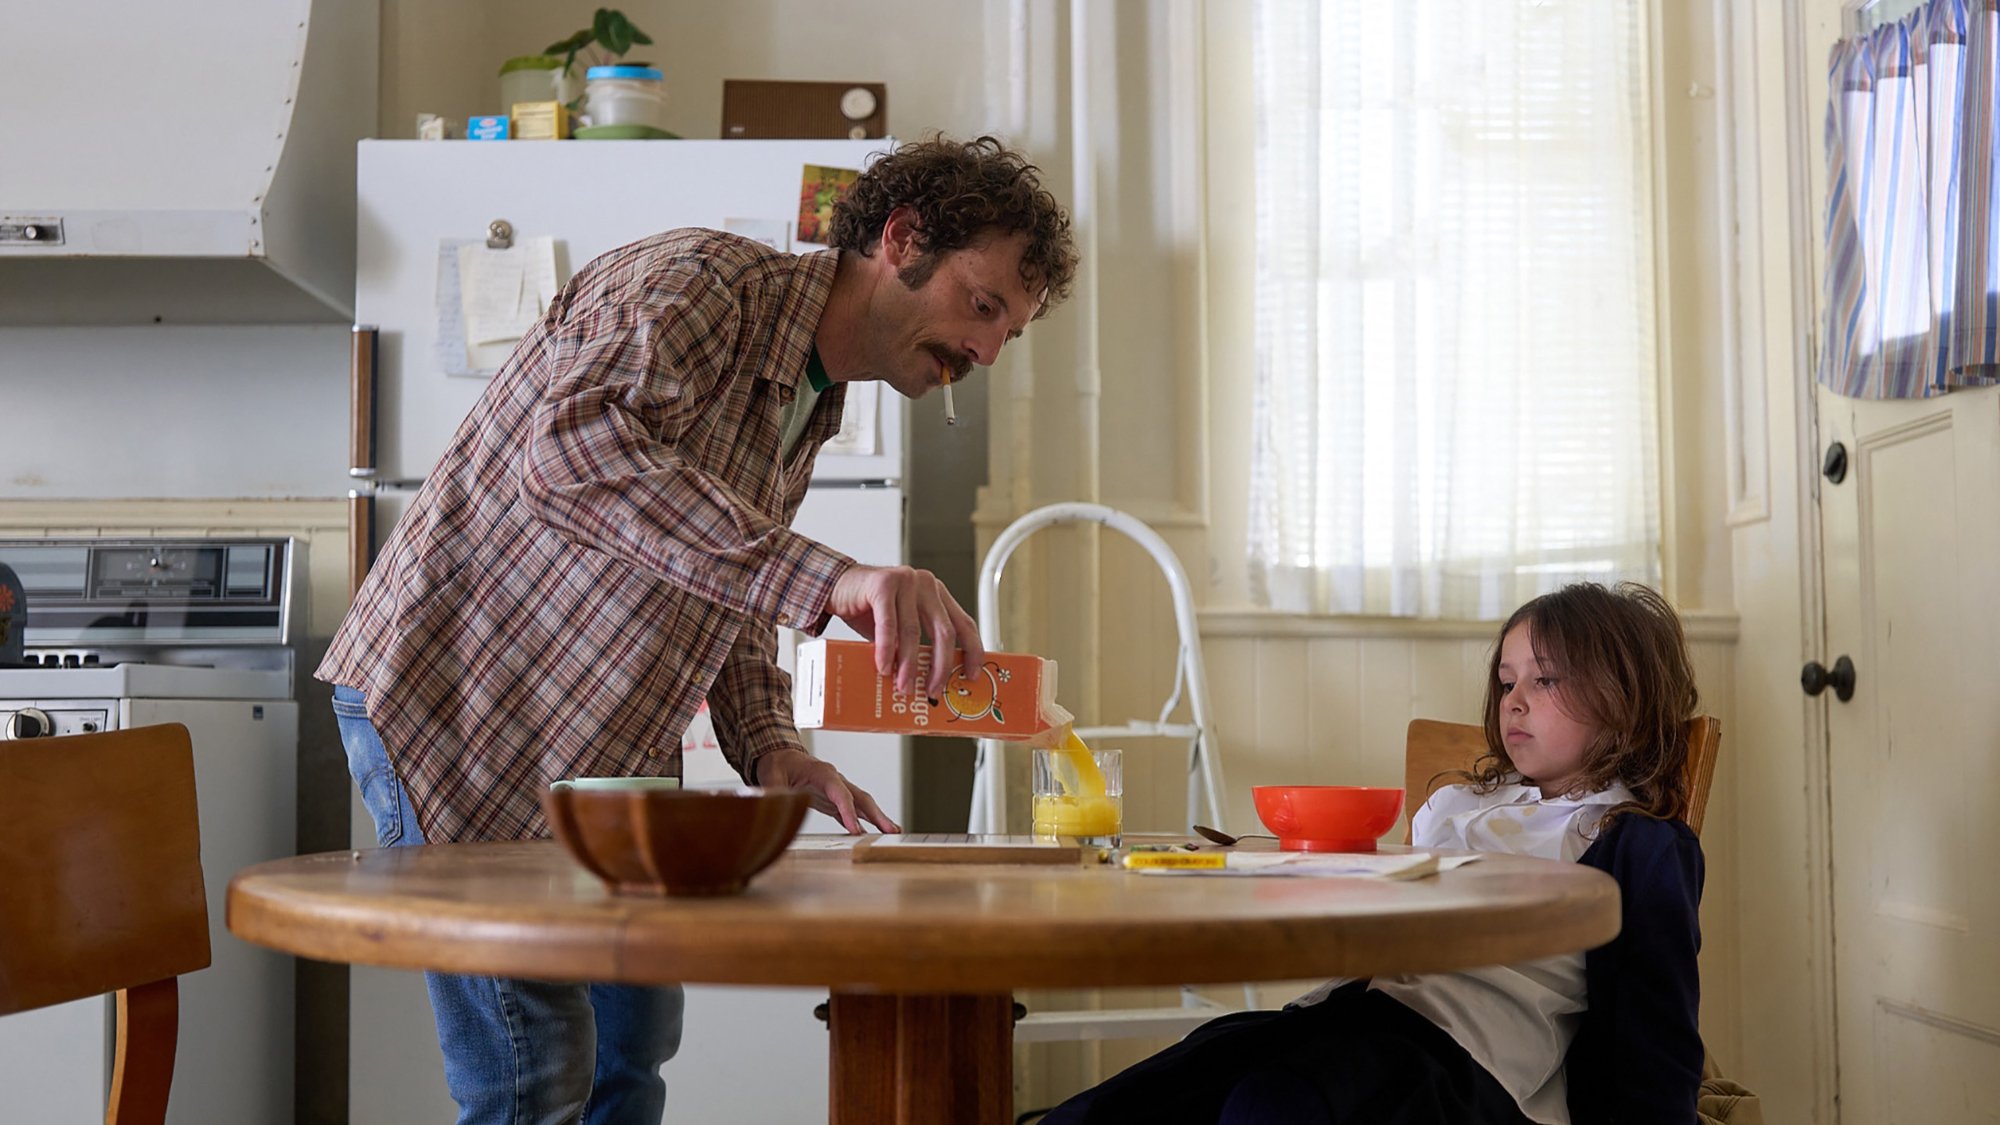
[1434, 749]
[101, 890]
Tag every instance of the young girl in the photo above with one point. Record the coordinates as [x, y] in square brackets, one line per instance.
[1587, 705]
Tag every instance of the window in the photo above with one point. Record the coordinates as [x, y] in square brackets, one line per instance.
[1456, 382]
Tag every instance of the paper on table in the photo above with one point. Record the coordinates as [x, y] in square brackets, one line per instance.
[824, 842]
[963, 840]
[821, 842]
[956, 847]
[1376, 865]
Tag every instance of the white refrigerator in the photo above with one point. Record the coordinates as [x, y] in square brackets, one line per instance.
[418, 203]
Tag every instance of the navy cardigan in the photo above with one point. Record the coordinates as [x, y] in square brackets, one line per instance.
[1637, 1055]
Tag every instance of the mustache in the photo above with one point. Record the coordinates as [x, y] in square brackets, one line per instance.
[958, 363]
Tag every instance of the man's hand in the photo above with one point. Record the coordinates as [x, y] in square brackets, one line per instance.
[897, 607]
[832, 794]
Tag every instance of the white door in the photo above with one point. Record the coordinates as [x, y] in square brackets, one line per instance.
[1912, 558]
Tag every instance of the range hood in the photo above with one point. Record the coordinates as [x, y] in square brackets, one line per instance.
[182, 162]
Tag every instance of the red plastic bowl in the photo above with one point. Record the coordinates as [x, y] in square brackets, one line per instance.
[1327, 818]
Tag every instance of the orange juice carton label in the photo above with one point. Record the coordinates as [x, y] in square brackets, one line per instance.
[1011, 695]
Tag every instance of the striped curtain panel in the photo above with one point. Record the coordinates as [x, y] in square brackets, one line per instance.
[1912, 242]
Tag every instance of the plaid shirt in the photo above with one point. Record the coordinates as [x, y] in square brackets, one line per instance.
[605, 542]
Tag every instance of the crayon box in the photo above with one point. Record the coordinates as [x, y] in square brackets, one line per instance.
[1012, 696]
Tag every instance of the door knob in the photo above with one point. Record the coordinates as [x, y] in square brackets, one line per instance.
[1835, 466]
[1816, 678]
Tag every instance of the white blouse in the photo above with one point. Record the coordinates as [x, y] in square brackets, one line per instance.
[1515, 1020]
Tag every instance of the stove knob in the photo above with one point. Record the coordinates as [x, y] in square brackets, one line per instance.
[30, 722]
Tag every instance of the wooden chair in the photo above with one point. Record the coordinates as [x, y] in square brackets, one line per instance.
[1434, 749]
[101, 891]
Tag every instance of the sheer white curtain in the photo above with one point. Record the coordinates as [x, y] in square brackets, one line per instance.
[1456, 366]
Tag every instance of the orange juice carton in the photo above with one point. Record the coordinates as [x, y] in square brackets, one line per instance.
[1011, 696]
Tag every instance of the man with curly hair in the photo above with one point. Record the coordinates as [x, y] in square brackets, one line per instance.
[606, 543]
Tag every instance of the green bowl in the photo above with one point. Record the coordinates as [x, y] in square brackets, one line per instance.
[623, 133]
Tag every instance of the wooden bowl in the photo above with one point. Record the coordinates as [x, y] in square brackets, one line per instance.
[675, 841]
[1327, 818]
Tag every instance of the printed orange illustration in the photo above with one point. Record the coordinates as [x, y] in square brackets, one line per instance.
[976, 699]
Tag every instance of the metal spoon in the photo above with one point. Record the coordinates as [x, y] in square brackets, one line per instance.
[1224, 838]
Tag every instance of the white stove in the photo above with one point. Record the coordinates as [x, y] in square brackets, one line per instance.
[132, 632]
[41, 702]
[127, 680]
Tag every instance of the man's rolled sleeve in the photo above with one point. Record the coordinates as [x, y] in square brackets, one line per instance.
[798, 582]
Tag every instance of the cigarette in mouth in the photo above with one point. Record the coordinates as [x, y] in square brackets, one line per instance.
[950, 411]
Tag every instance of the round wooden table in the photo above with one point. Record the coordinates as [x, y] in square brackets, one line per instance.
[920, 959]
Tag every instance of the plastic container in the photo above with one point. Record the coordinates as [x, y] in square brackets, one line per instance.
[533, 84]
[625, 95]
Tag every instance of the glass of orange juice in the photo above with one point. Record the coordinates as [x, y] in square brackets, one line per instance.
[1079, 794]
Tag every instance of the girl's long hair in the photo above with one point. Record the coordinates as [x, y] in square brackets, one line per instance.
[1623, 664]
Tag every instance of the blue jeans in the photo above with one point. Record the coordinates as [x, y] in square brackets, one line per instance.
[525, 1052]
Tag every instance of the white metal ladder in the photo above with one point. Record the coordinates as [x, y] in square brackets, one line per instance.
[989, 784]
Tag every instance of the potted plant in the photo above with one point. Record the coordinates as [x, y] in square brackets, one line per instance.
[624, 94]
[610, 31]
[550, 76]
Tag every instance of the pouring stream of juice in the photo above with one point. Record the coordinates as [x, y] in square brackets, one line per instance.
[1082, 778]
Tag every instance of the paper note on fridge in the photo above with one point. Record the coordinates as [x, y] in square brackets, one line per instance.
[503, 292]
[857, 422]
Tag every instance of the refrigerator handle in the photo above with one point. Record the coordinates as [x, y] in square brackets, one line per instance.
[360, 540]
[361, 373]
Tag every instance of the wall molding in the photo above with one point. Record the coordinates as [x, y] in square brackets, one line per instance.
[1666, 432]
[175, 514]
[1702, 626]
[1740, 236]
[1804, 73]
